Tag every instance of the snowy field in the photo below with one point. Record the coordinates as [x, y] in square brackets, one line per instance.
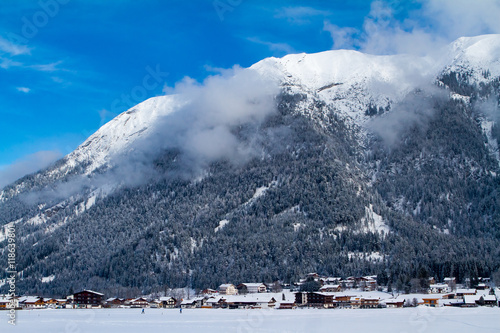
[419, 319]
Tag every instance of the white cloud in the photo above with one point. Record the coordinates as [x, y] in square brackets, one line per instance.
[343, 38]
[457, 18]
[27, 165]
[203, 129]
[422, 31]
[23, 89]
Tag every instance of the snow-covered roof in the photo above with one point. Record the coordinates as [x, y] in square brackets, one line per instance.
[325, 293]
[29, 299]
[255, 285]
[327, 286]
[225, 285]
[466, 291]
[140, 299]
[213, 300]
[90, 291]
[257, 298]
[471, 299]
[489, 298]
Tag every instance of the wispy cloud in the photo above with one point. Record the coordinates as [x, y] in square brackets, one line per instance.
[299, 14]
[27, 165]
[52, 67]
[23, 89]
[7, 63]
[12, 48]
[278, 49]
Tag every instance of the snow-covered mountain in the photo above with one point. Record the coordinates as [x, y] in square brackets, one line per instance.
[315, 171]
[347, 80]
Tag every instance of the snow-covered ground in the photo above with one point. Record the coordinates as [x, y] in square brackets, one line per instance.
[420, 319]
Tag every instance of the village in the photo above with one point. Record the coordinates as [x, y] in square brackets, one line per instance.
[313, 291]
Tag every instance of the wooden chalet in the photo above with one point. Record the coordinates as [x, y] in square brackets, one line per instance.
[32, 302]
[395, 303]
[193, 303]
[88, 299]
[284, 305]
[431, 301]
[490, 300]
[167, 302]
[114, 302]
[343, 301]
[51, 302]
[365, 303]
[138, 303]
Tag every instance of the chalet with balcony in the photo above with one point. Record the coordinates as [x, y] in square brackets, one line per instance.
[138, 303]
[167, 302]
[88, 299]
[343, 301]
[439, 288]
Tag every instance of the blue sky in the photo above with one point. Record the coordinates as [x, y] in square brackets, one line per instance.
[69, 66]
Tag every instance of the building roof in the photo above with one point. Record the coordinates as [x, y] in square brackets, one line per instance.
[89, 291]
[225, 285]
[327, 286]
[255, 285]
[471, 299]
[189, 301]
[29, 299]
[466, 291]
[489, 298]
[139, 299]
